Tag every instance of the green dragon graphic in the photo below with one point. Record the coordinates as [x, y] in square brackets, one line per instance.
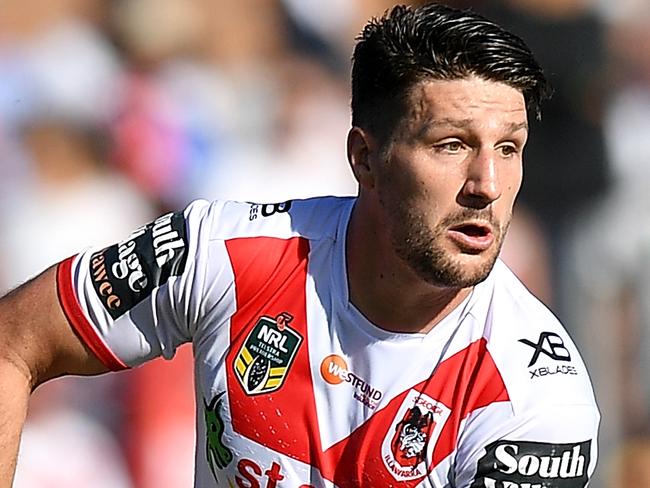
[216, 451]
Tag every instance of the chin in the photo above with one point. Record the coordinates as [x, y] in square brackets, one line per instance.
[448, 271]
[439, 261]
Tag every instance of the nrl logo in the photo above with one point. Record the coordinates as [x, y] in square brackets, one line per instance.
[408, 446]
[262, 363]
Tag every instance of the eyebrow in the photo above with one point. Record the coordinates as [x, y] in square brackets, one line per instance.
[446, 122]
[465, 123]
[514, 127]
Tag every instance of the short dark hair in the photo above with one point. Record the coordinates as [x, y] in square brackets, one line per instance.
[408, 45]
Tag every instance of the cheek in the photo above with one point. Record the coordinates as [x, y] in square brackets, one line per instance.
[398, 189]
[513, 181]
[519, 173]
[511, 191]
[413, 184]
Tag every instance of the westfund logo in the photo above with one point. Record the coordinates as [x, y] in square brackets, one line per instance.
[523, 464]
[125, 274]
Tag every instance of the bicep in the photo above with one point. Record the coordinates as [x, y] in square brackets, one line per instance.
[117, 307]
[36, 336]
[144, 296]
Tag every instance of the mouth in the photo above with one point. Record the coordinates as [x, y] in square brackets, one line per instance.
[472, 237]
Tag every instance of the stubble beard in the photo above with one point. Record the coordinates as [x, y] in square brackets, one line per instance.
[421, 248]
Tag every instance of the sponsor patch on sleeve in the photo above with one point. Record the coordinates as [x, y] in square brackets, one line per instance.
[126, 273]
[524, 464]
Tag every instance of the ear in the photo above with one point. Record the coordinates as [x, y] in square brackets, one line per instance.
[359, 151]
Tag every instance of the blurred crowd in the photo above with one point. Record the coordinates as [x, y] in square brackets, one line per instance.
[113, 111]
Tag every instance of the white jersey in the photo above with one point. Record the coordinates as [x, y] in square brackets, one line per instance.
[295, 388]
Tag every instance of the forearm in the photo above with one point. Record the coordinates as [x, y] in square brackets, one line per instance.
[14, 396]
[36, 344]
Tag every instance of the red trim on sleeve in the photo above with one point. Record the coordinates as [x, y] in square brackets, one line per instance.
[77, 319]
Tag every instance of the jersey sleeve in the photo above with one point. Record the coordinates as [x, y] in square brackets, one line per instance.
[146, 295]
[551, 447]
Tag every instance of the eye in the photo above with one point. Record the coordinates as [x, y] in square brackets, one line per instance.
[451, 147]
[508, 150]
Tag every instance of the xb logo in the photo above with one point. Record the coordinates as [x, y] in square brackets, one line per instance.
[550, 344]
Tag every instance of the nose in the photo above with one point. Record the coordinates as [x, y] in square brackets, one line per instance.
[482, 186]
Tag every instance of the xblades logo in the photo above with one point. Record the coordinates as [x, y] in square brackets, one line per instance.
[550, 344]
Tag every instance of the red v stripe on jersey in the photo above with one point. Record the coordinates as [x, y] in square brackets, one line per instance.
[465, 382]
[270, 278]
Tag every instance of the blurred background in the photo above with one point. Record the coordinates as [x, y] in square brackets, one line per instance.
[113, 111]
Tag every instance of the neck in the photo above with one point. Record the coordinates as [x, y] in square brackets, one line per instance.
[384, 288]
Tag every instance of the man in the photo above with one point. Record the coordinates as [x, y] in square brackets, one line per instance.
[364, 342]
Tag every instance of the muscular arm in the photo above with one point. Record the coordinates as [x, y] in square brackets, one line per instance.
[36, 344]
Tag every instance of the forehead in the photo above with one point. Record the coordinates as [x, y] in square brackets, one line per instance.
[465, 101]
